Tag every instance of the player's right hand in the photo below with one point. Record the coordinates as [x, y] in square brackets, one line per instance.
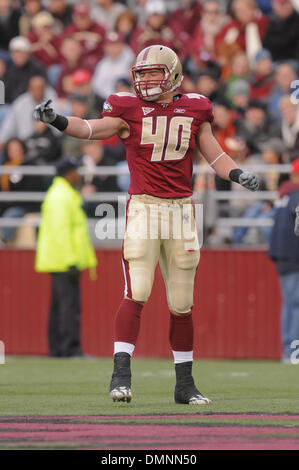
[44, 112]
[296, 228]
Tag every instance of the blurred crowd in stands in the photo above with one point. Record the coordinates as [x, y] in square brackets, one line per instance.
[242, 54]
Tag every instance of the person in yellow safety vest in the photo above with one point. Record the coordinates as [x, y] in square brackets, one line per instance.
[64, 249]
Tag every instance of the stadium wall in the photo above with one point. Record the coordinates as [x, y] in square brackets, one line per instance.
[236, 312]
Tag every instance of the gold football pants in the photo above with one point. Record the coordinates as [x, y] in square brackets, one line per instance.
[161, 230]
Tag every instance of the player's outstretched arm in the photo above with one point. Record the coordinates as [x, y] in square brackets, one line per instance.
[81, 128]
[222, 163]
[296, 228]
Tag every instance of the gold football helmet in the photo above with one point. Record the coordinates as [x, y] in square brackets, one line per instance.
[157, 57]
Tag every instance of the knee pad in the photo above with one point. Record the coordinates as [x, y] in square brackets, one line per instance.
[181, 281]
[139, 270]
[180, 299]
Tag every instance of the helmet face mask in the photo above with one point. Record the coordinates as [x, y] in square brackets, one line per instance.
[156, 58]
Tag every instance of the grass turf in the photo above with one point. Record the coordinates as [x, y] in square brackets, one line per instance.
[44, 386]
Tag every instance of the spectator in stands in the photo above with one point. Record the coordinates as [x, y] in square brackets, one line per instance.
[126, 24]
[257, 128]
[244, 32]
[64, 250]
[265, 6]
[19, 122]
[224, 123]
[284, 251]
[72, 60]
[207, 84]
[238, 94]
[43, 146]
[30, 9]
[282, 34]
[261, 210]
[14, 156]
[20, 69]
[285, 74]
[4, 108]
[123, 85]
[114, 149]
[62, 12]
[211, 24]
[290, 127]
[78, 108]
[262, 77]
[185, 18]
[90, 34]
[94, 154]
[9, 23]
[156, 29]
[237, 69]
[105, 12]
[115, 63]
[273, 156]
[81, 85]
[296, 227]
[45, 44]
[138, 8]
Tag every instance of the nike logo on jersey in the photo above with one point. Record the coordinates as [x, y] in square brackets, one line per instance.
[147, 110]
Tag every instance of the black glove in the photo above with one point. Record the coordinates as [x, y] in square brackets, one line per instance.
[244, 178]
[44, 112]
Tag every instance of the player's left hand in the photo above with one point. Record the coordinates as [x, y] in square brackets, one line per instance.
[44, 112]
[249, 181]
[296, 228]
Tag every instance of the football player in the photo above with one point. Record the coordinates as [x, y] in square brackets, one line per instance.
[160, 129]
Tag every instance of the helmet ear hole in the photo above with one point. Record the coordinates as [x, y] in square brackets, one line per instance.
[176, 76]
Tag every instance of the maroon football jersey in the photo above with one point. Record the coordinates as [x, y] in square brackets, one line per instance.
[162, 140]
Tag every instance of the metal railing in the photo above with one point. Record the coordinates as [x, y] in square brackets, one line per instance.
[206, 195]
[119, 170]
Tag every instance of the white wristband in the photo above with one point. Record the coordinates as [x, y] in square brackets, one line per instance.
[219, 156]
[90, 129]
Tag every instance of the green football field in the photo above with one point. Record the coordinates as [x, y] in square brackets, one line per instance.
[42, 397]
[44, 386]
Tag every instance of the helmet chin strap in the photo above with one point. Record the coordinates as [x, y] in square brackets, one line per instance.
[151, 94]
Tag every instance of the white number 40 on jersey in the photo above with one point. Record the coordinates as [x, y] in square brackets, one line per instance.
[177, 138]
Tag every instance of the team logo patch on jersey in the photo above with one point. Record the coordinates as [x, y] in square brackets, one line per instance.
[179, 110]
[147, 110]
[107, 107]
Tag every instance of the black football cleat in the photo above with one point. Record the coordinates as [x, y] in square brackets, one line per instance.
[120, 385]
[185, 390]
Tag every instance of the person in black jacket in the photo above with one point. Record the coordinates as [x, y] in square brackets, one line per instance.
[282, 35]
[284, 251]
[9, 23]
[20, 69]
[44, 147]
[14, 156]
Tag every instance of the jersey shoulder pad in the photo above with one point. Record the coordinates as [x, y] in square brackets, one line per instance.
[198, 100]
[117, 104]
[125, 93]
[195, 96]
[202, 104]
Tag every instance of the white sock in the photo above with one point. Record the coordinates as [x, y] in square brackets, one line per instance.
[120, 346]
[182, 356]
